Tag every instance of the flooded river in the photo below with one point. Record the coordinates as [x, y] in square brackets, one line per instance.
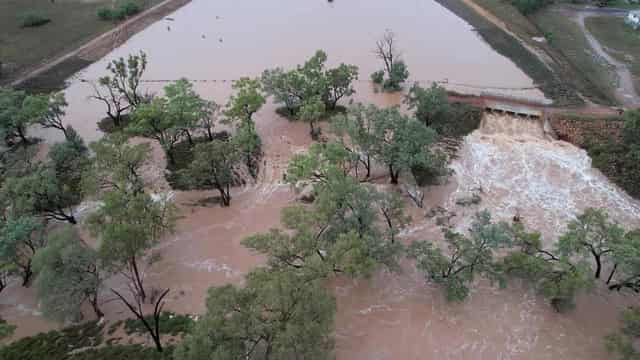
[391, 315]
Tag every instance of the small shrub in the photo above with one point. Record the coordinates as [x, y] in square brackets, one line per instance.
[170, 324]
[378, 77]
[33, 20]
[123, 11]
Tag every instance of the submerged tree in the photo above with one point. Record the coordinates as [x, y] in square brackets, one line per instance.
[186, 109]
[119, 91]
[626, 269]
[312, 112]
[402, 143]
[128, 224]
[6, 329]
[18, 111]
[431, 105]
[278, 314]
[214, 166]
[591, 234]
[622, 343]
[395, 69]
[150, 323]
[357, 133]
[52, 119]
[116, 165]
[554, 275]
[68, 276]
[344, 230]
[247, 100]
[298, 86]
[466, 257]
[20, 239]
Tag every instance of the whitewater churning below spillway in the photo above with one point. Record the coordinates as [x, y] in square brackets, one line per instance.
[517, 169]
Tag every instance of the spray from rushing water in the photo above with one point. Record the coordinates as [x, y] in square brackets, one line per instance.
[518, 169]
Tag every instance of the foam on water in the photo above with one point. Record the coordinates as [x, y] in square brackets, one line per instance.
[548, 182]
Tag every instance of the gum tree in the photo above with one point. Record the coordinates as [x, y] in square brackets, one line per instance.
[68, 276]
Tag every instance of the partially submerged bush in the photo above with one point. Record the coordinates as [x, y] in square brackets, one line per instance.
[33, 19]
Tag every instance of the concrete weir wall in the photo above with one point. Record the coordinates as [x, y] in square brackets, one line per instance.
[581, 132]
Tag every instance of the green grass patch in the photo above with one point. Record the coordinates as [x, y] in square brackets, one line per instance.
[619, 40]
[622, 4]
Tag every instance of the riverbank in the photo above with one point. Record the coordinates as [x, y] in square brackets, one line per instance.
[51, 75]
[555, 59]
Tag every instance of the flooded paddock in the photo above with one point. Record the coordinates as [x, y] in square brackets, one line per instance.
[391, 315]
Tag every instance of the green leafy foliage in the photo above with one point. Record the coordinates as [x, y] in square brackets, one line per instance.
[626, 257]
[6, 329]
[465, 258]
[119, 91]
[247, 100]
[309, 82]
[621, 343]
[33, 19]
[116, 165]
[593, 235]
[128, 224]
[54, 345]
[170, 324]
[18, 111]
[402, 143]
[555, 276]
[68, 276]
[20, 239]
[349, 228]
[213, 167]
[122, 11]
[278, 314]
[620, 161]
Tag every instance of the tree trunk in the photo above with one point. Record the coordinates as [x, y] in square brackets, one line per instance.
[189, 137]
[209, 134]
[598, 264]
[22, 135]
[96, 308]
[394, 175]
[225, 197]
[65, 132]
[27, 273]
[615, 267]
[138, 280]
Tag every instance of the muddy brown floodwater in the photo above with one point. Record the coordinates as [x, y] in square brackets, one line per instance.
[390, 315]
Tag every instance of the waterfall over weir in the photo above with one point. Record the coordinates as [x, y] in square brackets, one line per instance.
[519, 169]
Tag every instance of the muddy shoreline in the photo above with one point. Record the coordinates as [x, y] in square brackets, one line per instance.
[54, 74]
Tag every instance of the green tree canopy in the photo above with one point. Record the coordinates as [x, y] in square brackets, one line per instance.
[247, 100]
[214, 166]
[592, 234]
[623, 343]
[116, 165]
[278, 314]
[20, 239]
[127, 225]
[403, 143]
[18, 110]
[466, 256]
[298, 86]
[431, 105]
[344, 230]
[68, 276]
